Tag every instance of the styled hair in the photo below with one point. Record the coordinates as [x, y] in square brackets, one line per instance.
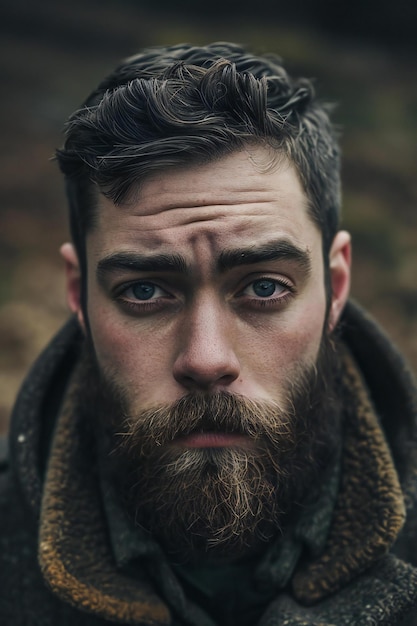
[173, 106]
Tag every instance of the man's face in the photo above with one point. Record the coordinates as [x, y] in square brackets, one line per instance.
[209, 284]
[212, 279]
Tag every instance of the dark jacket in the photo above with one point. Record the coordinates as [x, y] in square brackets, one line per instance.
[56, 566]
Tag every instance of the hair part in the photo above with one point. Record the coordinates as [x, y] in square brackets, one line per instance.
[174, 106]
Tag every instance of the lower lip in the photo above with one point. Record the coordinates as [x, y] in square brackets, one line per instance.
[213, 440]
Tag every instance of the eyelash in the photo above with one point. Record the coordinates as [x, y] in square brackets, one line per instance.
[264, 303]
[140, 305]
[159, 303]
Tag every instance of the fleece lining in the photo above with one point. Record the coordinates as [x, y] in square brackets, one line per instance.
[370, 510]
[74, 552]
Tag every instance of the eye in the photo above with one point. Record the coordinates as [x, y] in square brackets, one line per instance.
[265, 288]
[144, 297]
[144, 290]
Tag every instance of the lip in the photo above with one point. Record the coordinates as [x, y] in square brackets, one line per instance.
[213, 440]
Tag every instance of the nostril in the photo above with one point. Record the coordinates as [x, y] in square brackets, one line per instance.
[203, 374]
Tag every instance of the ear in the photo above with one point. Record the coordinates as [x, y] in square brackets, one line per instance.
[339, 262]
[73, 274]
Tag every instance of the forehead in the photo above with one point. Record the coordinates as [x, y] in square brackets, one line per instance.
[240, 199]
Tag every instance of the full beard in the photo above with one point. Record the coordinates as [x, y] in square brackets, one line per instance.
[219, 502]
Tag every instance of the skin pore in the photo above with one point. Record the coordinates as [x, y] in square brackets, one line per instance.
[210, 280]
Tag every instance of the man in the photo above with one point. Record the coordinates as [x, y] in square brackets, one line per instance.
[217, 437]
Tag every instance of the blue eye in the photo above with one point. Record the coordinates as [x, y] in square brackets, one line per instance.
[143, 291]
[264, 288]
[144, 297]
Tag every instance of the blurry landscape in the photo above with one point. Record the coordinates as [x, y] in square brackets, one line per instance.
[54, 53]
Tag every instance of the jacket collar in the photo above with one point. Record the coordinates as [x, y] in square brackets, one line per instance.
[370, 510]
[74, 551]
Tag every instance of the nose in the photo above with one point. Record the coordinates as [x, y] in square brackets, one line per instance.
[206, 359]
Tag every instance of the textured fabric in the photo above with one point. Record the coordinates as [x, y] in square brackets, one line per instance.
[365, 574]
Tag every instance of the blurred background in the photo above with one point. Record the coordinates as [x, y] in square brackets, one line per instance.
[364, 57]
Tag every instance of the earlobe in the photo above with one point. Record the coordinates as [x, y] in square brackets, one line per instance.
[73, 274]
[339, 262]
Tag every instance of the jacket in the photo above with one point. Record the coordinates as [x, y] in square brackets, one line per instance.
[56, 566]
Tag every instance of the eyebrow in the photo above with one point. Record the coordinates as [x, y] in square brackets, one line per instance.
[133, 261]
[282, 249]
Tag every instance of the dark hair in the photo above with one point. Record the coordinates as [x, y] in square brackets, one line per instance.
[170, 106]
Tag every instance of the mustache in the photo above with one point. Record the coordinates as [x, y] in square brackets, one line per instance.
[216, 412]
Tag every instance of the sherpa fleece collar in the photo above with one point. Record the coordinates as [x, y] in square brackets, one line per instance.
[370, 510]
[75, 555]
[74, 552]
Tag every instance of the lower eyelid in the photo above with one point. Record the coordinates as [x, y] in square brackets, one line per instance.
[271, 302]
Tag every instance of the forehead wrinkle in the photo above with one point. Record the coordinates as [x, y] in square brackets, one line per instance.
[221, 207]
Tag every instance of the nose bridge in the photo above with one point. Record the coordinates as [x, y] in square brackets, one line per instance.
[206, 354]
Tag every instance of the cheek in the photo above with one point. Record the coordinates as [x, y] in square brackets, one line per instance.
[281, 347]
[126, 352]
[304, 337]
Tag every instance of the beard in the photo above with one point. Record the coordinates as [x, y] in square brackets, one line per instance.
[218, 502]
